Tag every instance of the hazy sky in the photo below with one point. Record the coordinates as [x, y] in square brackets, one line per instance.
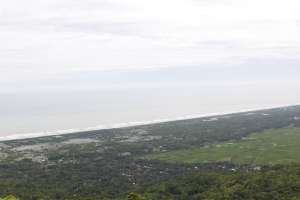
[46, 39]
[217, 51]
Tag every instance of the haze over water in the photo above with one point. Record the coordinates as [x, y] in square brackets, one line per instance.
[109, 98]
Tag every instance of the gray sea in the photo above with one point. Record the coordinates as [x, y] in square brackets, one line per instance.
[51, 112]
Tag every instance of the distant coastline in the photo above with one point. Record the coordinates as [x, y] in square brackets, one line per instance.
[129, 124]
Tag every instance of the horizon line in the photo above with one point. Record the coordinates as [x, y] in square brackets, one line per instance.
[24, 136]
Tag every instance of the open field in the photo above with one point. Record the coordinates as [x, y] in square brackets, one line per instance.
[273, 146]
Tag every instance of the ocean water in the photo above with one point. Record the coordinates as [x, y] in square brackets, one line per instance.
[35, 113]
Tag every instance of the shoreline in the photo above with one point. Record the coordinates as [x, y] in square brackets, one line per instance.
[129, 124]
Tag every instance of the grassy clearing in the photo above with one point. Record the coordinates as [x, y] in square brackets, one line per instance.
[274, 146]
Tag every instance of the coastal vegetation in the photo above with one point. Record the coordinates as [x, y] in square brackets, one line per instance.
[251, 155]
[270, 147]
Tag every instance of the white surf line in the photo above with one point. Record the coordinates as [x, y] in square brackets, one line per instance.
[129, 124]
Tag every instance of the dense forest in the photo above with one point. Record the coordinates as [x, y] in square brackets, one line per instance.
[120, 163]
[280, 182]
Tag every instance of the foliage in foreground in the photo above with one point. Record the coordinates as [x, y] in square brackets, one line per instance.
[134, 196]
[10, 197]
[279, 183]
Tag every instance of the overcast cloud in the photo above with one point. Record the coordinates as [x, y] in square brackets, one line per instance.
[44, 38]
